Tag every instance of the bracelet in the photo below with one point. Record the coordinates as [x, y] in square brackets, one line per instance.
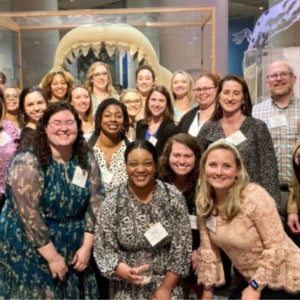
[208, 288]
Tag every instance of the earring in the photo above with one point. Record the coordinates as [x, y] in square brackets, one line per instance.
[243, 108]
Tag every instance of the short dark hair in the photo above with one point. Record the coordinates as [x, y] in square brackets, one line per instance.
[145, 67]
[103, 105]
[142, 144]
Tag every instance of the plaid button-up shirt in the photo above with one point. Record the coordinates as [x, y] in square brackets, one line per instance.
[284, 136]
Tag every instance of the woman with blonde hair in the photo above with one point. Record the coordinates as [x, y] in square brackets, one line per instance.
[182, 94]
[133, 102]
[57, 85]
[241, 218]
[81, 100]
[99, 83]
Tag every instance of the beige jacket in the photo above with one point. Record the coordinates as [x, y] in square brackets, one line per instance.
[293, 205]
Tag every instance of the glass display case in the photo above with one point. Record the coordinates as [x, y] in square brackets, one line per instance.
[169, 39]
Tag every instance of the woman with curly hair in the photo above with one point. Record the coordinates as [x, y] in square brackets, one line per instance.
[47, 223]
[179, 166]
[57, 85]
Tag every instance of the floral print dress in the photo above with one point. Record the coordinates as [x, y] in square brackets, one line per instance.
[44, 205]
[119, 237]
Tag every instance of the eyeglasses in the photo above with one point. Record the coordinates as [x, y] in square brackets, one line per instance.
[59, 124]
[11, 97]
[282, 75]
[205, 89]
[131, 102]
[98, 74]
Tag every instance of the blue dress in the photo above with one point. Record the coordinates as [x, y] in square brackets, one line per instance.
[44, 205]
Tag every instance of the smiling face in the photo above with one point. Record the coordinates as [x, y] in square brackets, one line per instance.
[62, 130]
[157, 104]
[133, 103]
[100, 78]
[181, 159]
[12, 100]
[180, 86]
[144, 81]
[59, 88]
[280, 80]
[221, 170]
[231, 97]
[140, 168]
[205, 92]
[112, 120]
[34, 106]
[81, 100]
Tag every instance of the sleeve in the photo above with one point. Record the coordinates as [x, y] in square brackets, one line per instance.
[181, 242]
[26, 181]
[267, 165]
[209, 265]
[106, 247]
[202, 135]
[97, 194]
[276, 253]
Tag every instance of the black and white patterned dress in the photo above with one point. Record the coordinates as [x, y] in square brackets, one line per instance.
[119, 237]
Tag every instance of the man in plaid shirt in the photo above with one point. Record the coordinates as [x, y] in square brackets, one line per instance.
[281, 112]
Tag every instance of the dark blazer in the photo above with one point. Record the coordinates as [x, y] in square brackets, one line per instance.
[187, 120]
[165, 130]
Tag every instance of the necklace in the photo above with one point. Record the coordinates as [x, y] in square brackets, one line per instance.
[235, 125]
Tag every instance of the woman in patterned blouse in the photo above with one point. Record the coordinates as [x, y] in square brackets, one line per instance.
[143, 216]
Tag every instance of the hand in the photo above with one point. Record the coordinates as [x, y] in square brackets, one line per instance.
[134, 277]
[162, 293]
[207, 295]
[81, 258]
[293, 223]
[58, 267]
[194, 261]
[249, 293]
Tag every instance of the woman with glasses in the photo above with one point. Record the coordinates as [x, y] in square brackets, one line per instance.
[9, 140]
[133, 102]
[182, 94]
[33, 102]
[99, 83]
[205, 92]
[12, 100]
[47, 223]
[57, 85]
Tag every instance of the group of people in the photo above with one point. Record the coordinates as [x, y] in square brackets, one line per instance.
[174, 181]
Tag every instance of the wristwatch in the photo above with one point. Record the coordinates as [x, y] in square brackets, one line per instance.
[256, 286]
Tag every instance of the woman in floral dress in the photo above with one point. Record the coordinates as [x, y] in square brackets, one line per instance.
[47, 222]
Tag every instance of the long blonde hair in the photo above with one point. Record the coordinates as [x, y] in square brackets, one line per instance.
[205, 200]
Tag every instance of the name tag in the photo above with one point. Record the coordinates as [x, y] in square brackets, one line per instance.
[211, 223]
[4, 138]
[193, 222]
[278, 121]
[156, 234]
[79, 177]
[106, 176]
[153, 140]
[236, 138]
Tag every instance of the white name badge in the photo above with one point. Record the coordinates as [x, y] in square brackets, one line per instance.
[153, 140]
[4, 138]
[236, 138]
[156, 234]
[193, 222]
[79, 177]
[278, 121]
[211, 223]
[106, 176]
